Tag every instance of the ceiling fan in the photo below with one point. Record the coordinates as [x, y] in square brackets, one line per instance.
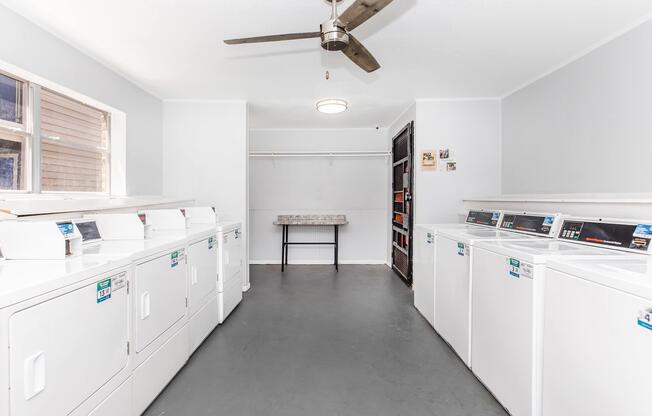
[335, 32]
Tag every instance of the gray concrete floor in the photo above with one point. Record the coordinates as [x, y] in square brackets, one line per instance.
[313, 342]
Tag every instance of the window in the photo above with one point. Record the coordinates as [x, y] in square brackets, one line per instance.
[70, 153]
[11, 99]
[75, 145]
[13, 134]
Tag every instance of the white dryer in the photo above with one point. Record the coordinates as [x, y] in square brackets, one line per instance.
[230, 265]
[507, 310]
[423, 266]
[455, 275]
[202, 248]
[159, 289]
[64, 327]
[597, 328]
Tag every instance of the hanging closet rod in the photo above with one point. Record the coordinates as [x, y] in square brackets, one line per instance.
[349, 153]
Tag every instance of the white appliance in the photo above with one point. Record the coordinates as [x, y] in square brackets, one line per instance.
[597, 329]
[455, 275]
[202, 248]
[507, 310]
[423, 266]
[64, 331]
[201, 215]
[40, 240]
[229, 274]
[160, 338]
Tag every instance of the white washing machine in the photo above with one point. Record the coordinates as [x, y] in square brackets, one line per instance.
[455, 275]
[507, 310]
[64, 326]
[423, 266]
[229, 274]
[160, 339]
[597, 330]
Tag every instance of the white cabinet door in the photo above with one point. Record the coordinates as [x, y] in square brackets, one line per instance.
[160, 296]
[64, 349]
[423, 275]
[232, 250]
[202, 267]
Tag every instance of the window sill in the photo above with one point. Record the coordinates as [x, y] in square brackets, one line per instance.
[22, 205]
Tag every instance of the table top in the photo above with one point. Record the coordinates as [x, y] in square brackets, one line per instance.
[311, 220]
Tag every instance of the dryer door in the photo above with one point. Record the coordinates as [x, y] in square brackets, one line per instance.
[160, 296]
[64, 349]
[202, 262]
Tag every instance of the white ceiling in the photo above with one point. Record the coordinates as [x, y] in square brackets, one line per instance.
[427, 49]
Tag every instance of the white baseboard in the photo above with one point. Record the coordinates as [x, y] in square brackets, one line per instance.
[316, 262]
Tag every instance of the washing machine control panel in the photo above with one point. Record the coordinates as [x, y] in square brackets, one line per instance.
[626, 236]
[489, 218]
[538, 224]
[88, 230]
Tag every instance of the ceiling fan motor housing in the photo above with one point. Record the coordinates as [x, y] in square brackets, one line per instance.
[333, 36]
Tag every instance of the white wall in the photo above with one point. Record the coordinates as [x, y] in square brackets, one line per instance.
[586, 128]
[205, 147]
[471, 130]
[34, 50]
[356, 187]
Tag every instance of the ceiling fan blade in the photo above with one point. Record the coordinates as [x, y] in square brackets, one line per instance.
[360, 55]
[273, 38]
[361, 11]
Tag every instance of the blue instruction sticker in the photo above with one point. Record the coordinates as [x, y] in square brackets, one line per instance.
[103, 290]
[514, 268]
[645, 319]
[549, 220]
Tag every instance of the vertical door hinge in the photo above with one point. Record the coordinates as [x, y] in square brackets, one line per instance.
[186, 302]
[127, 286]
[127, 347]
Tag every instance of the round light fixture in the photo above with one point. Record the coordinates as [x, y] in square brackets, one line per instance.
[332, 106]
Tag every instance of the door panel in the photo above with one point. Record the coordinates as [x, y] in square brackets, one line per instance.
[202, 267]
[502, 344]
[64, 349]
[452, 296]
[424, 274]
[160, 296]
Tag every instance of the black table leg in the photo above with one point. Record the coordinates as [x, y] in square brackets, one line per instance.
[337, 232]
[284, 241]
[287, 243]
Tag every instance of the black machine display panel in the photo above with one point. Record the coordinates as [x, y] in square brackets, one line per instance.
[88, 230]
[627, 236]
[489, 218]
[531, 223]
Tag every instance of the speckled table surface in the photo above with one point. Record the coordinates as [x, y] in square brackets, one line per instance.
[311, 220]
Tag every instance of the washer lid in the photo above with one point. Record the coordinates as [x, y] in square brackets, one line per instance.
[471, 235]
[629, 273]
[539, 251]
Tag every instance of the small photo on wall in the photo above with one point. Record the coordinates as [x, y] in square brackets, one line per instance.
[429, 160]
[451, 166]
[444, 154]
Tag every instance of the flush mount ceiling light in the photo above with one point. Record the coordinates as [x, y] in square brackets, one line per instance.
[332, 106]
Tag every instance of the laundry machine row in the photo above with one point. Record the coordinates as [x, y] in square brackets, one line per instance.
[540, 337]
[154, 301]
[423, 274]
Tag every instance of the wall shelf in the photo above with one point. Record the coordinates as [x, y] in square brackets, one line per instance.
[299, 154]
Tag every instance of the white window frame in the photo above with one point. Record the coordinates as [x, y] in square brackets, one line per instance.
[32, 165]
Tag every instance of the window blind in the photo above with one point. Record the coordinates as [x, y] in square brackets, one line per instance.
[75, 145]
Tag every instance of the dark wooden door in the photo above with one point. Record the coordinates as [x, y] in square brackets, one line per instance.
[402, 202]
